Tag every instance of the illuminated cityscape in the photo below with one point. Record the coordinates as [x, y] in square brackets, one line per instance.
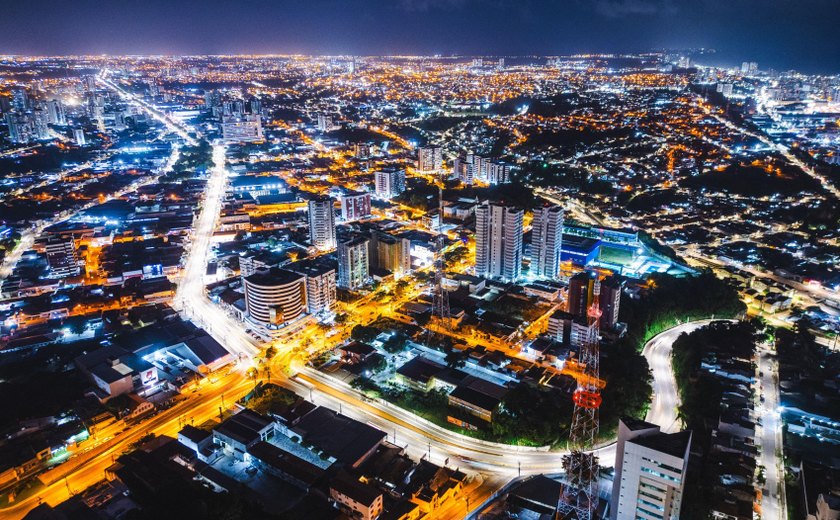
[411, 287]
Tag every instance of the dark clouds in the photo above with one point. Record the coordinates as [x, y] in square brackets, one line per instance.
[780, 33]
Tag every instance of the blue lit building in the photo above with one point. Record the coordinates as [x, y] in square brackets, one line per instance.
[579, 250]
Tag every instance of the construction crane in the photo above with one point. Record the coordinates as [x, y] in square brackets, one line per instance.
[580, 494]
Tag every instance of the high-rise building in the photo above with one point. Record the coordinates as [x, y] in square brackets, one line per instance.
[429, 159]
[79, 136]
[55, 110]
[322, 223]
[355, 206]
[326, 123]
[498, 172]
[353, 263]
[61, 257]
[650, 471]
[390, 253]
[546, 241]
[40, 120]
[582, 332]
[275, 297]
[20, 100]
[390, 182]
[20, 129]
[609, 301]
[242, 128]
[464, 168]
[498, 241]
[212, 99]
[725, 89]
[581, 293]
[320, 285]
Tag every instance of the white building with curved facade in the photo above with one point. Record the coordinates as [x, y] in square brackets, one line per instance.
[275, 298]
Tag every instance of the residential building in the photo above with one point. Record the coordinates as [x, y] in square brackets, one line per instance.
[609, 300]
[390, 182]
[429, 159]
[581, 293]
[650, 470]
[322, 223]
[326, 123]
[355, 206]
[465, 168]
[356, 498]
[498, 241]
[546, 241]
[498, 172]
[320, 285]
[353, 263]
[390, 253]
[582, 332]
[79, 136]
[560, 326]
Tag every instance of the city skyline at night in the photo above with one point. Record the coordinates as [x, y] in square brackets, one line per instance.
[420, 260]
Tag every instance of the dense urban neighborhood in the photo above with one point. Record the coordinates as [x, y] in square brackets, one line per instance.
[403, 288]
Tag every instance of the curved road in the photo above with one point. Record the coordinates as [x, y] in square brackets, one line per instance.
[663, 406]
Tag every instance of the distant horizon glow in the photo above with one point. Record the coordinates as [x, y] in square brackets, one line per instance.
[780, 35]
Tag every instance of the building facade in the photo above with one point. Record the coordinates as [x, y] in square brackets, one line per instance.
[355, 206]
[650, 470]
[62, 258]
[609, 300]
[546, 241]
[353, 263]
[322, 223]
[389, 183]
[498, 242]
[429, 159]
[242, 128]
[275, 298]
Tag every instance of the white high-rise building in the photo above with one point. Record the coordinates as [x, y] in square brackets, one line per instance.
[546, 239]
[353, 263]
[320, 285]
[725, 89]
[429, 159]
[326, 123]
[55, 110]
[498, 241]
[79, 136]
[650, 469]
[389, 183]
[498, 172]
[322, 223]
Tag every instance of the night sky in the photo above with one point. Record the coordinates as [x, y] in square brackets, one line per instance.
[800, 34]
